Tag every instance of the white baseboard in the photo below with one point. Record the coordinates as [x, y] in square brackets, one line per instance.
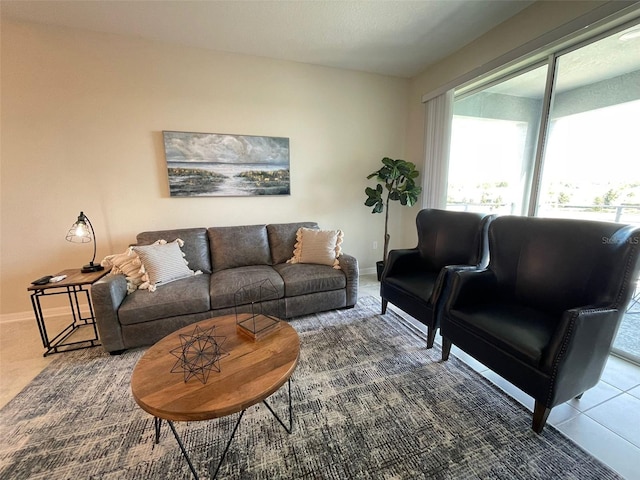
[47, 313]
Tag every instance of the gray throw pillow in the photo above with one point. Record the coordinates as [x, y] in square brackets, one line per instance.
[163, 263]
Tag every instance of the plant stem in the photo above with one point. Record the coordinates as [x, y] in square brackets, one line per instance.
[386, 229]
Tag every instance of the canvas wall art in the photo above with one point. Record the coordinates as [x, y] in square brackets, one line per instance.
[214, 164]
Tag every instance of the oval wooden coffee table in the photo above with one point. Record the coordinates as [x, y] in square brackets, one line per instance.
[251, 372]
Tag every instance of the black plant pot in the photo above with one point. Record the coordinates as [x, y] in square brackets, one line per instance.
[379, 269]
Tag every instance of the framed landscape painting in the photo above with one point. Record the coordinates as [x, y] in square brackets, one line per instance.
[214, 164]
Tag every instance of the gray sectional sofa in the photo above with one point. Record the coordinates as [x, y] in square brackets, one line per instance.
[229, 258]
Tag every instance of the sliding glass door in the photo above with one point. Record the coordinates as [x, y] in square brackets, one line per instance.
[494, 135]
[561, 139]
[591, 166]
[591, 163]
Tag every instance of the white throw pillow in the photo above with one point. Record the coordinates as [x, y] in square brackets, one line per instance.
[163, 263]
[317, 246]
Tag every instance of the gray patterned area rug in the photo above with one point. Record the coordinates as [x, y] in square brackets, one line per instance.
[370, 402]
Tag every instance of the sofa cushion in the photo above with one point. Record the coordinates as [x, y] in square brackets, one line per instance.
[282, 239]
[304, 278]
[321, 247]
[187, 296]
[195, 248]
[242, 246]
[225, 283]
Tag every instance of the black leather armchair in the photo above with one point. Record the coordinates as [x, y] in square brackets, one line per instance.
[544, 313]
[415, 279]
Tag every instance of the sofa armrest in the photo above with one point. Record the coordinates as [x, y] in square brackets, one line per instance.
[349, 266]
[107, 294]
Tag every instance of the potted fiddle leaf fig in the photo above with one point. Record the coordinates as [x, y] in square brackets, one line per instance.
[396, 181]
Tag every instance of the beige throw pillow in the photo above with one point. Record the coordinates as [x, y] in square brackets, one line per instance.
[317, 246]
[128, 264]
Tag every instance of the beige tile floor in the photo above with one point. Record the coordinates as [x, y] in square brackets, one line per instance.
[20, 357]
[605, 422]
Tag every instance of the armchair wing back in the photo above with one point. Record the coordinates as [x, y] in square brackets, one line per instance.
[544, 313]
[556, 264]
[416, 279]
[452, 238]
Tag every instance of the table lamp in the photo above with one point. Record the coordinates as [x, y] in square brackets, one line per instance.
[82, 232]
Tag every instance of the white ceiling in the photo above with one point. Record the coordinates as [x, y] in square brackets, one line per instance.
[392, 37]
[613, 56]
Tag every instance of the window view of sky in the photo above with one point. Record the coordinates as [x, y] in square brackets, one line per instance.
[591, 162]
[596, 146]
[485, 165]
[592, 158]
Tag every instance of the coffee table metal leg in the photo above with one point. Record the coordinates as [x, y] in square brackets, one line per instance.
[184, 452]
[224, 454]
[157, 423]
[290, 428]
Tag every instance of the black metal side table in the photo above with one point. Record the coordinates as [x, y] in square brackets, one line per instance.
[76, 284]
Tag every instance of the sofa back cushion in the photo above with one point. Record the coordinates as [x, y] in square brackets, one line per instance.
[238, 246]
[282, 239]
[195, 248]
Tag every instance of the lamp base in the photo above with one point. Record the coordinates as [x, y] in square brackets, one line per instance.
[92, 267]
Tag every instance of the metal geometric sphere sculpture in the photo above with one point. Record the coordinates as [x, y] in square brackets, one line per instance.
[198, 354]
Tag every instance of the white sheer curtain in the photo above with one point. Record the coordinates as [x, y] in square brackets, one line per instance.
[439, 114]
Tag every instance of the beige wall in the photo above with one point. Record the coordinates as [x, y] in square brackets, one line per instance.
[82, 116]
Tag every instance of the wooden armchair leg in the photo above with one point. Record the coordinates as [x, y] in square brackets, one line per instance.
[384, 306]
[540, 415]
[431, 335]
[446, 348]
